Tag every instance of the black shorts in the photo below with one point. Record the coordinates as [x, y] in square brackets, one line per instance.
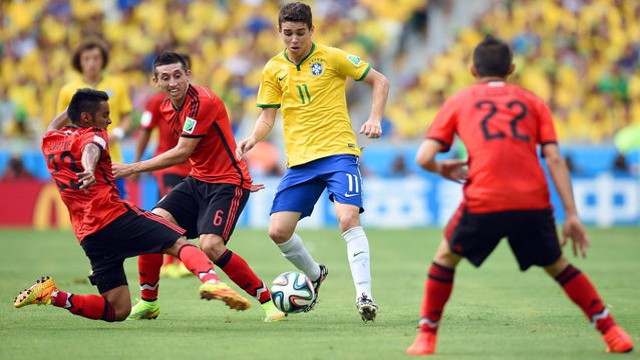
[166, 182]
[134, 233]
[205, 208]
[531, 234]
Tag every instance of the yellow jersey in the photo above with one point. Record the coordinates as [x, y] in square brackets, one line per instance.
[119, 103]
[312, 97]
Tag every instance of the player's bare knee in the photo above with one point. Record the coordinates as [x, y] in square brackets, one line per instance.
[348, 221]
[557, 267]
[279, 235]
[182, 241]
[121, 312]
[213, 246]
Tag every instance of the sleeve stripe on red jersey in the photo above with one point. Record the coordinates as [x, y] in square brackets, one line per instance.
[192, 136]
[195, 103]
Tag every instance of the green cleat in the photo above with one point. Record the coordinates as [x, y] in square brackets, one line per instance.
[145, 310]
[38, 294]
[272, 312]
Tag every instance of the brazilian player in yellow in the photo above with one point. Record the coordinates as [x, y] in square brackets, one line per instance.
[307, 80]
[89, 60]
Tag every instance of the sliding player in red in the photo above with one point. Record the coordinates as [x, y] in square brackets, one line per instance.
[108, 228]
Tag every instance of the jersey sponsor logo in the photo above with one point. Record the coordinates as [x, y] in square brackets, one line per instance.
[189, 125]
[100, 141]
[350, 195]
[317, 69]
[354, 59]
[280, 78]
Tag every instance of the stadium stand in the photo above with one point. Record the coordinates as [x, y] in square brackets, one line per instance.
[580, 55]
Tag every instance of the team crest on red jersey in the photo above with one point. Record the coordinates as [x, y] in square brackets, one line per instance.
[189, 125]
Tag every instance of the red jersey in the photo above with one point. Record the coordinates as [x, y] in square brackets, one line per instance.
[168, 133]
[501, 125]
[89, 212]
[204, 116]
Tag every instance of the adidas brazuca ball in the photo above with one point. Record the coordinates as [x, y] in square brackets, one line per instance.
[292, 292]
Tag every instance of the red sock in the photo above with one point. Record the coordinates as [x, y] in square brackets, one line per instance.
[197, 262]
[580, 290]
[438, 287]
[240, 273]
[90, 306]
[149, 275]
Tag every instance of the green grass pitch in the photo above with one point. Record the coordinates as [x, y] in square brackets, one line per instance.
[495, 312]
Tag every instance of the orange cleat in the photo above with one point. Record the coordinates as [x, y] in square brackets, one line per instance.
[38, 294]
[424, 344]
[618, 341]
[221, 291]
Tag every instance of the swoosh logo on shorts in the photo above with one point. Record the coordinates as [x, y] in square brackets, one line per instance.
[350, 195]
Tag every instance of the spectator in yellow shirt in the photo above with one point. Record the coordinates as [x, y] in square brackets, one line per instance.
[89, 60]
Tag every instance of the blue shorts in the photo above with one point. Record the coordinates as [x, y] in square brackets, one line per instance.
[302, 185]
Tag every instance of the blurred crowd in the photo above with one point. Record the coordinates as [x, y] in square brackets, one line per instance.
[579, 55]
[228, 41]
[582, 56]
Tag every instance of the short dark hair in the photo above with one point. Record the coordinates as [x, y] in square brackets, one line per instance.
[187, 59]
[168, 57]
[295, 12]
[88, 45]
[85, 100]
[492, 57]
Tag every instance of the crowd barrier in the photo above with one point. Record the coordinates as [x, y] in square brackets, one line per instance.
[414, 201]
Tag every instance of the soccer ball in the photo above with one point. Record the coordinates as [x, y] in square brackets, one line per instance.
[292, 292]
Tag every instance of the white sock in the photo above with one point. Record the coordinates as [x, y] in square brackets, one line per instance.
[294, 250]
[358, 256]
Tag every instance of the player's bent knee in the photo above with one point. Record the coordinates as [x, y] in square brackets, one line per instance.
[182, 241]
[121, 313]
[213, 246]
[279, 235]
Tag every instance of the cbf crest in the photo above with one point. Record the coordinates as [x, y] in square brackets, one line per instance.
[317, 69]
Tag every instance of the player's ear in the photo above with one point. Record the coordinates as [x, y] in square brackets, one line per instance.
[474, 71]
[512, 68]
[86, 120]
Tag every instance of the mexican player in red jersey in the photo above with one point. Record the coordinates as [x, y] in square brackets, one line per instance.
[505, 193]
[108, 228]
[167, 179]
[209, 201]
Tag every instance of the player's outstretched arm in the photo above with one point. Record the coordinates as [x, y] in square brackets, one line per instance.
[263, 127]
[572, 228]
[372, 128]
[179, 154]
